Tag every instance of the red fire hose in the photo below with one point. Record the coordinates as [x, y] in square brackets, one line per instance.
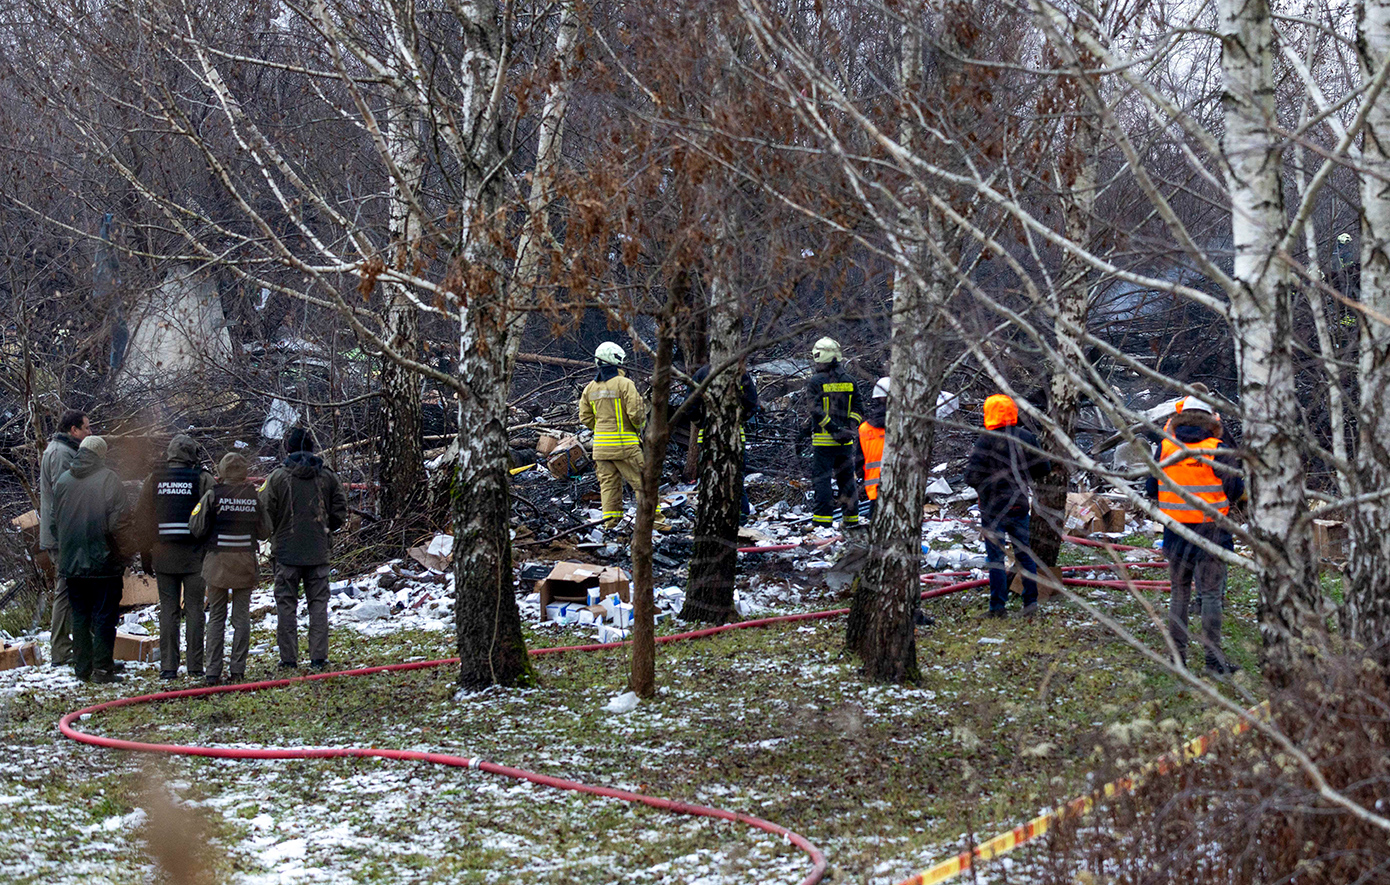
[817, 858]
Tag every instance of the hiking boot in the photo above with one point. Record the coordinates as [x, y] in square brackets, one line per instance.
[997, 613]
[213, 680]
[237, 677]
[168, 674]
[320, 665]
[289, 665]
[1218, 667]
[922, 619]
[106, 677]
[1029, 611]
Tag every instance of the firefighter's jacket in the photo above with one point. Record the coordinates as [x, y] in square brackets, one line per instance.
[834, 400]
[612, 408]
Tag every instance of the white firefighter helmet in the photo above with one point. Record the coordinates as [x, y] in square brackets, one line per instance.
[1344, 238]
[1192, 404]
[610, 354]
[881, 388]
[826, 350]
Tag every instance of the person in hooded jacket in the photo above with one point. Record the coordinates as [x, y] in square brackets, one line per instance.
[73, 427]
[1193, 491]
[1000, 468]
[302, 503]
[228, 519]
[90, 510]
[161, 515]
[831, 428]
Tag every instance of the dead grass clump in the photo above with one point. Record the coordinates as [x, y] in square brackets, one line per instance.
[1245, 812]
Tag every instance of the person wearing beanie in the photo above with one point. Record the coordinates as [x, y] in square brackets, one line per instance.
[73, 427]
[89, 510]
[166, 501]
[302, 503]
[1002, 463]
[228, 521]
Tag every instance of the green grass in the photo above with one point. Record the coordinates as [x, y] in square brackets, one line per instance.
[776, 722]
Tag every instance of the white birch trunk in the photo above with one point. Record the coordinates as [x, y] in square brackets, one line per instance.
[880, 629]
[536, 235]
[401, 461]
[1366, 616]
[488, 624]
[1290, 605]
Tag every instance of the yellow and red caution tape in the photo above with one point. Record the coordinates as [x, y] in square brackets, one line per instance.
[1020, 835]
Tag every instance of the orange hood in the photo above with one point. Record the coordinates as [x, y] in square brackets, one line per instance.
[1000, 411]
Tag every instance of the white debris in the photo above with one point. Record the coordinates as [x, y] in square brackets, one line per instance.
[623, 703]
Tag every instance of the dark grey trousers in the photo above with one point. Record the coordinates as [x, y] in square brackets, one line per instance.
[60, 626]
[287, 580]
[191, 587]
[217, 629]
[1208, 575]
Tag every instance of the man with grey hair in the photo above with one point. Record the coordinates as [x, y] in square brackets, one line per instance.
[73, 427]
[90, 510]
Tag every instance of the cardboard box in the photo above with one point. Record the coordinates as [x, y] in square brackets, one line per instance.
[139, 590]
[612, 634]
[546, 444]
[437, 555]
[567, 459]
[1330, 539]
[571, 581]
[136, 648]
[623, 616]
[26, 521]
[1089, 513]
[1045, 577]
[21, 654]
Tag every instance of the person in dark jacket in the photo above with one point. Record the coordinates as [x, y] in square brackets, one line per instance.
[1196, 491]
[302, 503]
[228, 519]
[1000, 467]
[161, 515]
[90, 510]
[831, 429]
[73, 427]
[747, 405]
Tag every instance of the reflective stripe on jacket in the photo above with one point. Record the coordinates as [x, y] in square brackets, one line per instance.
[871, 443]
[834, 403]
[614, 411]
[1196, 476]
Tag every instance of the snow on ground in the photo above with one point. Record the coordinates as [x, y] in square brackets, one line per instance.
[326, 821]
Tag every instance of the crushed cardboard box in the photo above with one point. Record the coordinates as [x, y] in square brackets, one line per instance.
[26, 521]
[1091, 513]
[136, 648]
[20, 654]
[571, 581]
[137, 589]
[1047, 579]
[436, 555]
[567, 458]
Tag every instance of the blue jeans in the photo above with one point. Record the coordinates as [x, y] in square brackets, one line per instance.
[1015, 527]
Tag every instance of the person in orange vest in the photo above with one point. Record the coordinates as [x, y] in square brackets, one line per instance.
[1000, 468]
[872, 432]
[1193, 491]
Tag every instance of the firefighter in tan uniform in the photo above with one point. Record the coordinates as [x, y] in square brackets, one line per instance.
[612, 408]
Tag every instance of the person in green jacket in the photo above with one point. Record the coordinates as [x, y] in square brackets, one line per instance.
[303, 502]
[228, 519]
[90, 509]
[73, 427]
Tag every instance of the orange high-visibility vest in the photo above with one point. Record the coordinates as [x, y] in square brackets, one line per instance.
[871, 442]
[1196, 476]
